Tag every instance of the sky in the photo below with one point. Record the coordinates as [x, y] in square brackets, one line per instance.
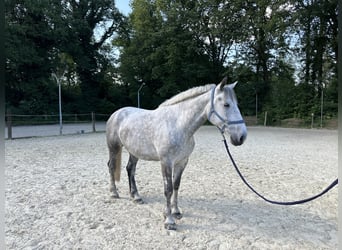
[123, 6]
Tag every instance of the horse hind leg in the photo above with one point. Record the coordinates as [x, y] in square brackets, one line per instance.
[114, 166]
[131, 167]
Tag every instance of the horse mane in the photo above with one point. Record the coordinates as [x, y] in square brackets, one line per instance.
[187, 94]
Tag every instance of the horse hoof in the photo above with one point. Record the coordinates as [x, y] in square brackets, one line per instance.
[138, 201]
[177, 216]
[170, 226]
[114, 192]
[115, 196]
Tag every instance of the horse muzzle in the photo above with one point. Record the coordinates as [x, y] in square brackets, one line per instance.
[238, 140]
[238, 134]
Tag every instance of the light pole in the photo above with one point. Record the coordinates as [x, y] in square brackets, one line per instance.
[58, 80]
[322, 107]
[142, 85]
[256, 106]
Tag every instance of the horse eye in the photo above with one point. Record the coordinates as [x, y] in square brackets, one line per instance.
[227, 105]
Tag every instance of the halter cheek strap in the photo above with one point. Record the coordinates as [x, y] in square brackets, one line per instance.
[213, 111]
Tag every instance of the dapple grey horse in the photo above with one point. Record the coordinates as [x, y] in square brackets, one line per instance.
[166, 134]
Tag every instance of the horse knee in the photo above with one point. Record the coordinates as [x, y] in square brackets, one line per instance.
[177, 179]
[168, 189]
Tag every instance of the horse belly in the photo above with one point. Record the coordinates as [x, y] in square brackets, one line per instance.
[141, 149]
[138, 140]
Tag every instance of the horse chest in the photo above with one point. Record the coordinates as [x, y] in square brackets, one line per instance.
[175, 147]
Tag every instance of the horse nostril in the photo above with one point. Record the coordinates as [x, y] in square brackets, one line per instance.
[237, 141]
[242, 139]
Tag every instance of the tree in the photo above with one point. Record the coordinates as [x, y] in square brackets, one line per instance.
[28, 44]
[265, 24]
[318, 36]
[161, 52]
[214, 24]
[318, 23]
[80, 21]
[39, 32]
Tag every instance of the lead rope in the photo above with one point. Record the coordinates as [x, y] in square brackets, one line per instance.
[288, 203]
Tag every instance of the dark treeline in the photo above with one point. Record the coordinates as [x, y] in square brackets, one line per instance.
[282, 53]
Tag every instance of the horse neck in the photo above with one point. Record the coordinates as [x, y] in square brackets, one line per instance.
[194, 113]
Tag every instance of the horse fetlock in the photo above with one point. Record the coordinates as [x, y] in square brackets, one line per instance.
[177, 215]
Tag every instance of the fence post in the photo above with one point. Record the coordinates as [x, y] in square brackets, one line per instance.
[9, 124]
[265, 121]
[93, 121]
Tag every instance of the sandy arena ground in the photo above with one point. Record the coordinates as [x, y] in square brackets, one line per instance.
[57, 194]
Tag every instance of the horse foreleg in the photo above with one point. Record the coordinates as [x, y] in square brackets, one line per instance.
[131, 167]
[169, 223]
[177, 175]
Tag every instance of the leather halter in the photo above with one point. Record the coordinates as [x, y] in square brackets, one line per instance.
[226, 122]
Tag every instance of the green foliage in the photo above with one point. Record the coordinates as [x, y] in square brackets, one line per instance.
[28, 40]
[283, 54]
[53, 36]
[162, 53]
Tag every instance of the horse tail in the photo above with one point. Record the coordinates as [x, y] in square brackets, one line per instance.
[114, 146]
[117, 167]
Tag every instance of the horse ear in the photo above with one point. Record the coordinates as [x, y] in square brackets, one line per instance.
[233, 85]
[222, 83]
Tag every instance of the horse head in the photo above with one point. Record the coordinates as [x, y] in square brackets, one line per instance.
[225, 114]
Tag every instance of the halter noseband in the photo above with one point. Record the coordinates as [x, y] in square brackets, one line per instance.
[213, 111]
